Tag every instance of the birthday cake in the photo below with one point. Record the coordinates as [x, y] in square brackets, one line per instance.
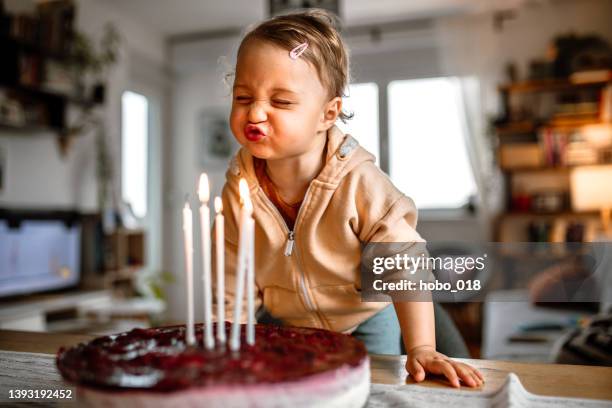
[287, 366]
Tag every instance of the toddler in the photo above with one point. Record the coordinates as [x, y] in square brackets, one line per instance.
[317, 195]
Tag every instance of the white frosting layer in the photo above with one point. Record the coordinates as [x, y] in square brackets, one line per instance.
[343, 387]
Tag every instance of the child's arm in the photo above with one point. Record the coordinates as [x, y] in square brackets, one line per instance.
[417, 322]
[385, 215]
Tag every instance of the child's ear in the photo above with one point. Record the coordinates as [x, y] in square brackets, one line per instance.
[331, 110]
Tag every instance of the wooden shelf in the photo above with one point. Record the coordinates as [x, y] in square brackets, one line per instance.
[547, 169]
[525, 127]
[512, 226]
[514, 128]
[562, 169]
[556, 214]
[46, 93]
[548, 85]
[27, 128]
[572, 121]
[34, 48]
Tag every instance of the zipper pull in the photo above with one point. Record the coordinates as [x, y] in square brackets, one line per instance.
[289, 245]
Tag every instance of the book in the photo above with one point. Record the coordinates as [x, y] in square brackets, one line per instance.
[520, 155]
[587, 77]
[605, 109]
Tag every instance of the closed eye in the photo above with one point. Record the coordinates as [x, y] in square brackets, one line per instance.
[282, 102]
[242, 99]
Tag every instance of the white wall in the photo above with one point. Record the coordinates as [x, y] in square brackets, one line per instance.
[37, 176]
[198, 87]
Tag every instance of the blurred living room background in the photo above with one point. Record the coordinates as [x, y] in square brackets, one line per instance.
[495, 116]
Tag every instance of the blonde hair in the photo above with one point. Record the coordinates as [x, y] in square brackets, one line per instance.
[326, 50]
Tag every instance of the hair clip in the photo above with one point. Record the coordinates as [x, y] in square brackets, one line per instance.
[297, 51]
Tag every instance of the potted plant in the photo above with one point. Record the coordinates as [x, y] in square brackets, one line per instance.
[91, 62]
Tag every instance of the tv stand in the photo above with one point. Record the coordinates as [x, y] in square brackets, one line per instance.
[32, 313]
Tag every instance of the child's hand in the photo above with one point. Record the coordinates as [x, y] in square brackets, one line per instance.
[425, 359]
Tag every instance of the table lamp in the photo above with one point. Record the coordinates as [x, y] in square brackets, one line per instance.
[591, 190]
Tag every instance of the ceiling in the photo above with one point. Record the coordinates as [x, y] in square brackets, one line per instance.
[176, 17]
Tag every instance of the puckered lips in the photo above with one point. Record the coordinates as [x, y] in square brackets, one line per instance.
[254, 133]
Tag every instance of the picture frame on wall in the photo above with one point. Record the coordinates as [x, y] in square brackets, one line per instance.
[215, 141]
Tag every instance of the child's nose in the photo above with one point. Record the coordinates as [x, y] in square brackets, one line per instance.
[257, 112]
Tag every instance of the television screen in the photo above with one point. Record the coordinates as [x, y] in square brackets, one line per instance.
[38, 253]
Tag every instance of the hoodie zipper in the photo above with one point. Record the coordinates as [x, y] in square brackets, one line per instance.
[289, 246]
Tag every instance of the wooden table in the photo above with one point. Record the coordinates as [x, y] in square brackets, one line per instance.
[544, 379]
[559, 380]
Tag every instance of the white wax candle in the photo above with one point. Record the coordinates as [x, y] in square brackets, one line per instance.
[204, 194]
[188, 243]
[250, 337]
[219, 256]
[240, 278]
[241, 264]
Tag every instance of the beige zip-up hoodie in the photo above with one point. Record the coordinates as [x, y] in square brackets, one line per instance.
[311, 276]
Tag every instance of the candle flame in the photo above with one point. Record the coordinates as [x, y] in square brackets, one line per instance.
[218, 205]
[243, 188]
[203, 189]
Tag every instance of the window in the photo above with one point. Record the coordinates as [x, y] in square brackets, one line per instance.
[428, 158]
[362, 100]
[134, 151]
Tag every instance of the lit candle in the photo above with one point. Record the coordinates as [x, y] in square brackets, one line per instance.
[204, 194]
[219, 256]
[188, 241]
[246, 226]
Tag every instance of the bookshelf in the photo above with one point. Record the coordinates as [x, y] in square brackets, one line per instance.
[549, 128]
[38, 81]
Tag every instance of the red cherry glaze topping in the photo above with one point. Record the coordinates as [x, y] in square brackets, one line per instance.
[158, 359]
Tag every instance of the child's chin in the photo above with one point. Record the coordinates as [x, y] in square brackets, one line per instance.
[258, 152]
[264, 151]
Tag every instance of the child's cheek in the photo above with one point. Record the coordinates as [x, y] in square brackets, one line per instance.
[235, 127]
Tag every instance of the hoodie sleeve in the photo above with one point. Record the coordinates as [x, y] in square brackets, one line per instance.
[231, 212]
[382, 213]
[385, 221]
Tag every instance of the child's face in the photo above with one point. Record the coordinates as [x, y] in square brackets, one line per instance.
[280, 109]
